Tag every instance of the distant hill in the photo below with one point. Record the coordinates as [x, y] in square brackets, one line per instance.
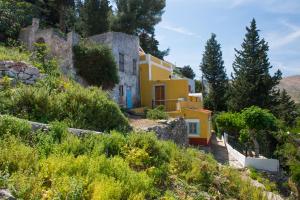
[292, 86]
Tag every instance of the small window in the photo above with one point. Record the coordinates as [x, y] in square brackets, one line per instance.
[121, 62]
[190, 88]
[121, 91]
[134, 67]
[193, 128]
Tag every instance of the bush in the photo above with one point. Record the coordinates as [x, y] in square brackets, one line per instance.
[230, 123]
[157, 113]
[96, 64]
[87, 108]
[59, 165]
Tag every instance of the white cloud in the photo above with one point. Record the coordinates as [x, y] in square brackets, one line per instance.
[280, 40]
[177, 29]
[275, 6]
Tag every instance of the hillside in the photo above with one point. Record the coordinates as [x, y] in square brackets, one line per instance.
[56, 164]
[292, 85]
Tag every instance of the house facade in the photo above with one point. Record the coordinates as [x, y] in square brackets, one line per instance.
[160, 87]
[145, 81]
[125, 49]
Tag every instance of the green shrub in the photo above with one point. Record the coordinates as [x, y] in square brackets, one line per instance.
[60, 165]
[96, 64]
[230, 123]
[14, 126]
[87, 108]
[157, 113]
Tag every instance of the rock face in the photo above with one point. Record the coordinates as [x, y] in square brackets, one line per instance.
[174, 129]
[20, 71]
[6, 195]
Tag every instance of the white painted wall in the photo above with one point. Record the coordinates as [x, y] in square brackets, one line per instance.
[257, 163]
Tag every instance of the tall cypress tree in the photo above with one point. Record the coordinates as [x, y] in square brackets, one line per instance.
[252, 83]
[214, 72]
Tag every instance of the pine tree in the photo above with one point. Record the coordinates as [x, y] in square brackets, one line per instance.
[150, 45]
[214, 72]
[95, 17]
[139, 17]
[286, 109]
[252, 83]
[187, 72]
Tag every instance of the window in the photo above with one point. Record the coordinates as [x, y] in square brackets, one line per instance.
[121, 90]
[134, 67]
[121, 62]
[193, 126]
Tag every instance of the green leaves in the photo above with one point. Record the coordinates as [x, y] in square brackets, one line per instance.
[13, 16]
[252, 83]
[213, 70]
[96, 64]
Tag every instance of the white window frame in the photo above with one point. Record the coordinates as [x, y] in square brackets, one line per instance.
[193, 121]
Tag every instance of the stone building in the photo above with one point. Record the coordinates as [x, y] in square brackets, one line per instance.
[125, 49]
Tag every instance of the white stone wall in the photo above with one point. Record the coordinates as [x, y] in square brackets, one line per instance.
[257, 163]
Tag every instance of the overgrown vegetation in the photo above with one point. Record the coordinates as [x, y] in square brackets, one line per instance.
[96, 64]
[14, 15]
[157, 113]
[14, 54]
[56, 98]
[60, 165]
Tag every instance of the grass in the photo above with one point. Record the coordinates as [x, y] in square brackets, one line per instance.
[263, 179]
[14, 54]
[59, 165]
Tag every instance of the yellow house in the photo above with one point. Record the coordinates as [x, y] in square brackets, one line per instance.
[158, 86]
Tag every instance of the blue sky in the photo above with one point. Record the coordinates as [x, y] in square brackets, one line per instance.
[187, 24]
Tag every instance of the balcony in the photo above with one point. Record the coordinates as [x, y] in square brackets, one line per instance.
[176, 104]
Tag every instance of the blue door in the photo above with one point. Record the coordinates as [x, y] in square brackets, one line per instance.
[128, 98]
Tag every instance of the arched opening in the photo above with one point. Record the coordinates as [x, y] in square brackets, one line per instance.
[40, 40]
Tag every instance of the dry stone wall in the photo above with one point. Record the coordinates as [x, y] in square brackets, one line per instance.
[19, 71]
[173, 129]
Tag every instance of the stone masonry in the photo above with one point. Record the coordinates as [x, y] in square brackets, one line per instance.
[20, 71]
[172, 129]
[61, 47]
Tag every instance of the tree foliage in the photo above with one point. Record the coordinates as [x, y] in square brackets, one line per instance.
[252, 83]
[92, 10]
[213, 69]
[137, 16]
[188, 72]
[286, 109]
[13, 16]
[150, 45]
[96, 64]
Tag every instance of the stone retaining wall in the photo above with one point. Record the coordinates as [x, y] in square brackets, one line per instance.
[173, 129]
[20, 71]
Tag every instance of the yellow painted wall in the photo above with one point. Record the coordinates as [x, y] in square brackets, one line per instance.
[159, 73]
[196, 114]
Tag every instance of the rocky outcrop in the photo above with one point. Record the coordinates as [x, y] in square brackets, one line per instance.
[173, 129]
[6, 195]
[45, 127]
[20, 71]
